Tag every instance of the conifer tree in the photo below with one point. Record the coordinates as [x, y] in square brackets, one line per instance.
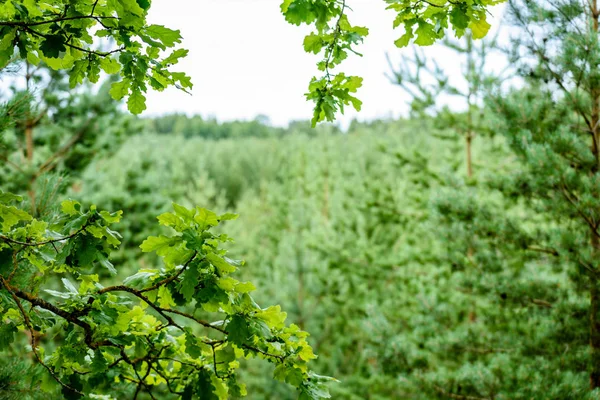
[549, 212]
[427, 84]
[54, 131]
[558, 136]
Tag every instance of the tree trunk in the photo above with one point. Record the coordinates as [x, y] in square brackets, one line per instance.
[469, 140]
[595, 324]
[595, 241]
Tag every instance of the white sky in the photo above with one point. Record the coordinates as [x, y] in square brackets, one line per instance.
[246, 60]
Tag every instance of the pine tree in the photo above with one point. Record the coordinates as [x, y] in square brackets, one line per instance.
[559, 139]
[548, 214]
[53, 131]
[426, 82]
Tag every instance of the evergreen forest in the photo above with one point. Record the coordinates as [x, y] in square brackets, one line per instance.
[451, 253]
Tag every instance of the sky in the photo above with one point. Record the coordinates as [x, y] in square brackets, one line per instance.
[245, 60]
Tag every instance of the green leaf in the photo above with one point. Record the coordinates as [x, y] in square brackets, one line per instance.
[69, 286]
[480, 27]
[273, 316]
[118, 90]
[204, 386]
[223, 266]
[159, 244]
[285, 5]
[7, 41]
[206, 218]
[99, 364]
[187, 286]
[77, 73]
[7, 335]
[112, 237]
[175, 56]
[70, 207]
[280, 372]
[172, 220]
[9, 197]
[164, 298]
[141, 279]
[192, 239]
[110, 65]
[53, 45]
[244, 287]
[426, 35]
[405, 39]
[105, 262]
[184, 213]
[168, 37]
[136, 103]
[313, 43]
[10, 216]
[314, 391]
[184, 80]
[191, 344]
[228, 217]
[238, 330]
[459, 18]
[111, 218]
[294, 376]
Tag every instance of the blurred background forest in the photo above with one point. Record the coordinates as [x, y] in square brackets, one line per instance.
[441, 255]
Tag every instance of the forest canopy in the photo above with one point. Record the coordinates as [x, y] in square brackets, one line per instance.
[447, 254]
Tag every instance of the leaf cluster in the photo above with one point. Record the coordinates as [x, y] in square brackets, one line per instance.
[139, 335]
[90, 38]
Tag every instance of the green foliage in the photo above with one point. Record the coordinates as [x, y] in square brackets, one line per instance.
[87, 38]
[138, 336]
[18, 381]
[429, 20]
[426, 82]
[331, 228]
[56, 130]
[413, 281]
[543, 209]
[52, 131]
[209, 128]
[335, 37]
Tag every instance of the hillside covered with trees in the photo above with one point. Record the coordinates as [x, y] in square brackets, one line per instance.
[450, 254]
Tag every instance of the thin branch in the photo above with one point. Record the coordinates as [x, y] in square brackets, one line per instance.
[52, 21]
[33, 345]
[166, 380]
[140, 295]
[542, 303]
[567, 194]
[88, 51]
[11, 163]
[280, 358]
[37, 244]
[166, 281]
[142, 383]
[544, 250]
[199, 321]
[94, 8]
[333, 44]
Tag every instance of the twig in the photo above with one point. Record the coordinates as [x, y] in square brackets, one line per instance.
[33, 345]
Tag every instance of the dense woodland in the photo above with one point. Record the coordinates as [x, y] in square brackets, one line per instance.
[450, 254]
